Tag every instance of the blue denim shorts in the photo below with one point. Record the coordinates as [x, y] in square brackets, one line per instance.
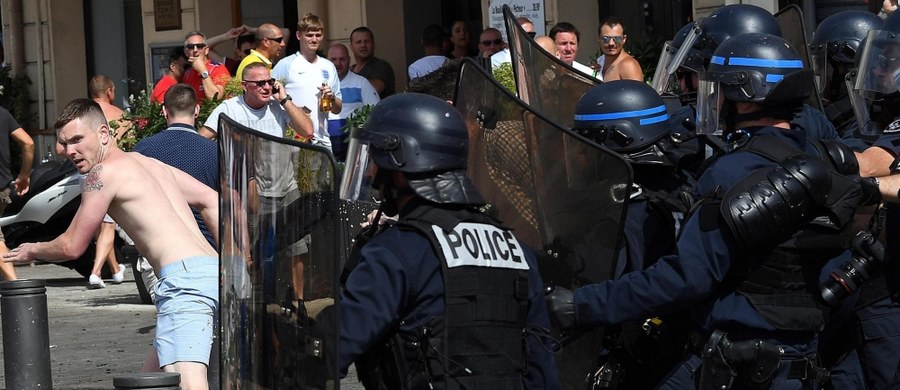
[187, 302]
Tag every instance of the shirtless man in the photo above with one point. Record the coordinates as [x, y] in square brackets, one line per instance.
[617, 64]
[103, 91]
[150, 201]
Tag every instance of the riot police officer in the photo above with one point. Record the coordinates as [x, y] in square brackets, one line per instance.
[749, 282]
[630, 118]
[833, 52]
[446, 297]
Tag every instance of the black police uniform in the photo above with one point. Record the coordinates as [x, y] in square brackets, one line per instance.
[692, 279]
[397, 291]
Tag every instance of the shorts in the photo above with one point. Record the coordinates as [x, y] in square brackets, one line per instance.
[108, 219]
[187, 301]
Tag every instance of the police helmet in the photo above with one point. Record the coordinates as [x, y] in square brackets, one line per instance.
[627, 116]
[420, 135]
[756, 67]
[733, 20]
[879, 59]
[760, 68]
[840, 34]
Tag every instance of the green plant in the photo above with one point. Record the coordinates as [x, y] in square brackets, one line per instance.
[504, 75]
[357, 119]
[15, 97]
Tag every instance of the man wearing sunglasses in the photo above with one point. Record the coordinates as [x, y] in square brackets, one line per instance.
[490, 42]
[503, 56]
[269, 42]
[207, 77]
[616, 63]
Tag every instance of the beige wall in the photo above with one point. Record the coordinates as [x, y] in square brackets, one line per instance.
[703, 8]
[212, 17]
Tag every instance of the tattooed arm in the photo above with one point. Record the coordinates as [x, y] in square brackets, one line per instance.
[95, 200]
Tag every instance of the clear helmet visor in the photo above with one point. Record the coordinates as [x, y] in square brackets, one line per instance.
[709, 107]
[359, 174]
[860, 106]
[662, 79]
[879, 66]
[822, 69]
[684, 50]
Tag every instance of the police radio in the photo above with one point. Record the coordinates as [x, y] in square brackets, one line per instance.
[868, 256]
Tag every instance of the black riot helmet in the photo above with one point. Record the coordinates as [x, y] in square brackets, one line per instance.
[627, 116]
[420, 135]
[841, 33]
[662, 80]
[759, 68]
[728, 21]
[835, 44]
[733, 20]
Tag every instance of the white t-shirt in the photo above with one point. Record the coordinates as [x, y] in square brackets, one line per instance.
[500, 57]
[425, 65]
[274, 171]
[302, 80]
[587, 70]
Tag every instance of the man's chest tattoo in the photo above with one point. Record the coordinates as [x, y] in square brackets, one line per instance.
[92, 180]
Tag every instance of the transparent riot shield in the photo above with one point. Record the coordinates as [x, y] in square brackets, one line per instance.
[793, 30]
[281, 248]
[562, 195]
[544, 82]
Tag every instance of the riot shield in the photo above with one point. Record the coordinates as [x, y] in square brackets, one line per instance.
[562, 195]
[281, 247]
[793, 30]
[544, 82]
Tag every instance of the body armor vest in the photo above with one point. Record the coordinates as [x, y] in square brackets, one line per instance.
[781, 282]
[479, 341]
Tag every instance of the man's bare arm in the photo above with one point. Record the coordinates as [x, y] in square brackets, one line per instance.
[74, 241]
[378, 84]
[874, 162]
[23, 181]
[631, 70]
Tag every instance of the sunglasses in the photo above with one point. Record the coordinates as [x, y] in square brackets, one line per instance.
[618, 39]
[498, 41]
[279, 39]
[531, 33]
[192, 46]
[261, 83]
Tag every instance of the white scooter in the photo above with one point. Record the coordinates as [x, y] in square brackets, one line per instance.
[46, 211]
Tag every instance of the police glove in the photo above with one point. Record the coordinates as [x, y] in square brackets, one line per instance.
[871, 193]
[561, 302]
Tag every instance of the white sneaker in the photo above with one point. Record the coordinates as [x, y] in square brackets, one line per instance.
[119, 277]
[94, 282]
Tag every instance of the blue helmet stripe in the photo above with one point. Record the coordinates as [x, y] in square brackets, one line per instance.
[656, 119]
[620, 115]
[717, 60]
[774, 78]
[764, 63]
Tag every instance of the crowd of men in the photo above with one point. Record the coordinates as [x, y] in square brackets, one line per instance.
[755, 251]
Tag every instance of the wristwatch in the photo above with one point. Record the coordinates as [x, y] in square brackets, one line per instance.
[204, 75]
[285, 100]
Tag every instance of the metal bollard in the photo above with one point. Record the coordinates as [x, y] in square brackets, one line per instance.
[26, 335]
[148, 381]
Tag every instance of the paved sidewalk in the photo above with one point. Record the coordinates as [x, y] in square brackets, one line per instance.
[96, 335]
